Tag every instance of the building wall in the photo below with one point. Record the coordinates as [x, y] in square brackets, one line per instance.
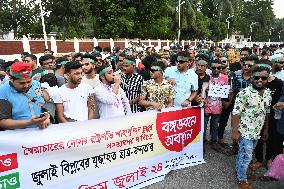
[11, 47]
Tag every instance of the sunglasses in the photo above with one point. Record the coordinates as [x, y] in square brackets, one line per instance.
[121, 60]
[224, 61]
[181, 61]
[152, 70]
[249, 65]
[258, 77]
[280, 62]
[214, 68]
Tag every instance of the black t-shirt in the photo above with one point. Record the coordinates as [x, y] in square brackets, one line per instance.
[206, 78]
[5, 110]
[235, 66]
[275, 87]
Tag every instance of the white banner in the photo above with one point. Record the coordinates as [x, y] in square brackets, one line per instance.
[221, 91]
[128, 152]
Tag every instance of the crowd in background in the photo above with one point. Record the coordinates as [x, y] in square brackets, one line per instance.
[106, 83]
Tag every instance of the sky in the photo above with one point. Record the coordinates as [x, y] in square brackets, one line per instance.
[278, 8]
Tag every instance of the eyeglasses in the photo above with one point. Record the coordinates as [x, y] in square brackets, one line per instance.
[214, 68]
[258, 77]
[249, 65]
[152, 70]
[181, 61]
[26, 61]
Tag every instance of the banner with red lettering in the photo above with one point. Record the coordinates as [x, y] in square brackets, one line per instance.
[127, 152]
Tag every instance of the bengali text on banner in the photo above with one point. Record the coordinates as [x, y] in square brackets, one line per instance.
[127, 152]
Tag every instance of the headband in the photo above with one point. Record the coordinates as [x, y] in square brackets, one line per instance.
[105, 70]
[203, 61]
[87, 60]
[21, 70]
[45, 72]
[62, 63]
[249, 62]
[182, 58]
[130, 62]
[216, 65]
[157, 68]
[261, 74]
[263, 66]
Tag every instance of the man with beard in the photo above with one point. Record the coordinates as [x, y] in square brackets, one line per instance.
[250, 116]
[21, 100]
[98, 61]
[110, 97]
[74, 101]
[131, 83]
[185, 80]
[202, 78]
[157, 93]
[273, 144]
[90, 77]
[47, 62]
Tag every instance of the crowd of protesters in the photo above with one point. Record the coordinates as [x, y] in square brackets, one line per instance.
[107, 83]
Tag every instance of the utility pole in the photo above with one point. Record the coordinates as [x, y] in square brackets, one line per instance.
[179, 5]
[43, 25]
[228, 27]
[253, 23]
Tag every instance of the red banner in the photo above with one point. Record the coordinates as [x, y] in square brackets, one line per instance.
[8, 162]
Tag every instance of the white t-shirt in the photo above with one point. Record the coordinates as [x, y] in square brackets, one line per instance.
[111, 104]
[74, 101]
[93, 82]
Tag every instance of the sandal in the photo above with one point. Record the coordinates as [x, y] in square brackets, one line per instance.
[256, 165]
[244, 185]
[266, 178]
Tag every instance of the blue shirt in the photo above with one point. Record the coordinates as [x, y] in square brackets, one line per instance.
[19, 102]
[186, 82]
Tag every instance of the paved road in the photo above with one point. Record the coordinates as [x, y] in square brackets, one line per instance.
[216, 173]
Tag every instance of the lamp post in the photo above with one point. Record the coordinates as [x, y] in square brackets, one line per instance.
[228, 22]
[270, 30]
[179, 5]
[280, 35]
[43, 25]
[253, 23]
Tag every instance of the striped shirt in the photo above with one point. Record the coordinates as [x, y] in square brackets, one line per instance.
[132, 87]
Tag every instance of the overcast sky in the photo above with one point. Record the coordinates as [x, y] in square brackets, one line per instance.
[278, 8]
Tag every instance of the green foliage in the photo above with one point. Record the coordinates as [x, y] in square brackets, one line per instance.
[203, 19]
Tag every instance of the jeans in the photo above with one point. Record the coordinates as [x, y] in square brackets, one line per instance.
[214, 121]
[244, 157]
